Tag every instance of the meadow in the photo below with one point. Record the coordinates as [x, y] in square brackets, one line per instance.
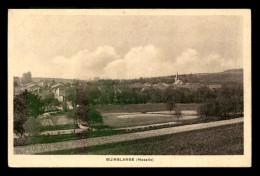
[224, 140]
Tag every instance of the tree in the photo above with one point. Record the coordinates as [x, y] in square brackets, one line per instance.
[178, 113]
[95, 117]
[26, 105]
[79, 98]
[48, 99]
[26, 78]
[170, 105]
[231, 100]
[35, 105]
[32, 126]
[20, 113]
[209, 108]
[71, 95]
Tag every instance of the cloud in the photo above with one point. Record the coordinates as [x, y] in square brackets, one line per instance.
[190, 61]
[143, 61]
[85, 64]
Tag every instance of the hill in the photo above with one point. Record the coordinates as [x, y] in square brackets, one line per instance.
[232, 75]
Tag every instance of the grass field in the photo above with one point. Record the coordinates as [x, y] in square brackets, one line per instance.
[113, 121]
[141, 107]
[116, 122]
[224, 140]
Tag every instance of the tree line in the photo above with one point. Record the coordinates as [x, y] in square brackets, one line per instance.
[127, 95]
[228, 102]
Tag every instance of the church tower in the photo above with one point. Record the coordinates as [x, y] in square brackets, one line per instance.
[176, 77]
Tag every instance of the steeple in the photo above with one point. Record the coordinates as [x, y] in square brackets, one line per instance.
[177, 77]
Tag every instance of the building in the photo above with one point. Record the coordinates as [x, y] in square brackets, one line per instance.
[177, 80]
[31, 87]
[59, 91]
[34, 88]
[42, 84]
[16, 81]
[214, 86]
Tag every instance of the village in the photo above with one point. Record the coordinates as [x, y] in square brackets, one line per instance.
[82, 110]
[58, 88]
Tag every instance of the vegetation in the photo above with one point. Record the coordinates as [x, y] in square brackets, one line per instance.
[99, 131]
[26, 105]
[57, 127]
[227, 102]
[32, 126]
[149, 107]
[90, 100]
[222, 140]
[178, 113]
[50, 102]
[81, 111]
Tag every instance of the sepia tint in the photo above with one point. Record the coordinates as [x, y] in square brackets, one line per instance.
[129, 88]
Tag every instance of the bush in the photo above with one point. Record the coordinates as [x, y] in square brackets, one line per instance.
[33, 126]
[178, 113]
[94, 116]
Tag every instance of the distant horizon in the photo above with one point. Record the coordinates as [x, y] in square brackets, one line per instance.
[129, 78]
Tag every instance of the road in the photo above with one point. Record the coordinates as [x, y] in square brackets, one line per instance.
[38, 148]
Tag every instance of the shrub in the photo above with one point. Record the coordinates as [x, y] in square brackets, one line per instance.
[178, 113]
[94, 116]
[33, 126]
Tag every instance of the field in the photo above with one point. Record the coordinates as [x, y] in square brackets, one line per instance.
[141, 107]
[112, 120]
[111, 113]
[224, 140]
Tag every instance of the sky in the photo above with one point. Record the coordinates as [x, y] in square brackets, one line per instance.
[123, 47]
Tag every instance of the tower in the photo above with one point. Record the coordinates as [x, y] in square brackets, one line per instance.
[177, 77]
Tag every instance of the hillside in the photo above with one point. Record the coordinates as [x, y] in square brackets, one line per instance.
[232, 75]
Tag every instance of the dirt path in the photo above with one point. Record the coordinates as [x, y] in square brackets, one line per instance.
[38, 148]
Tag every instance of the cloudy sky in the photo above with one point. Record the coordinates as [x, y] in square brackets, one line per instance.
[107, 46]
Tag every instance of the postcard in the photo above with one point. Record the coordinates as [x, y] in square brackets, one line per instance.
[129, 88]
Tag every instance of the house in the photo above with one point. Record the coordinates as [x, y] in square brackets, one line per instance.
[59, 91]
[34, 88]
[51, 84]
[214, 86]
[42, 84]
